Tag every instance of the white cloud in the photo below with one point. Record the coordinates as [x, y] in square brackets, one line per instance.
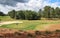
[5, 9]
[31, 5]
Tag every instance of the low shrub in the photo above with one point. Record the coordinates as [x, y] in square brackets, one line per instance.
[17, 33]
[48, 32]
[30, 35]
[37, 32]
[57, 30]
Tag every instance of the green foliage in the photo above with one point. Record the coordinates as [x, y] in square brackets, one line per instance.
[24, 15]
[12, 14]
[57, 11]
[20, 15]
[48, 12]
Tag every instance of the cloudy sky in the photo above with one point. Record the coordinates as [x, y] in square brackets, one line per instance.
[8, 5]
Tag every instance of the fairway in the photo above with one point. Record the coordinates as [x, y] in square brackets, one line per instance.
[32, 24]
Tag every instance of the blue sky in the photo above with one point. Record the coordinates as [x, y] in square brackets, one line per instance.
[52, 1]
[56, 2]
[8, 5]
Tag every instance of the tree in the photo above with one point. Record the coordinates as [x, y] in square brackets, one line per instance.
[52, 13]
[21, 14]
[24, 15]
[31, 15]
[12, 14]
[40, 13]
[47, 13]
[57, 11]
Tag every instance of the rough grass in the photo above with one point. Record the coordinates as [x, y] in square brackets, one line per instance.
[28, 24]
[31, 25]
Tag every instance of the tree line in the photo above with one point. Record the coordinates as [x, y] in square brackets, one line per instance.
[24, 15]
[48, 12]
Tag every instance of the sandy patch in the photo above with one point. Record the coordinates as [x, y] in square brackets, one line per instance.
[10, 22]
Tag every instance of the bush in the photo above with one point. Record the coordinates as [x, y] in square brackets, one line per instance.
[48, 32]
[30, 35]
[17, 33]
[1, 36]
[57, 30]
[37, 32]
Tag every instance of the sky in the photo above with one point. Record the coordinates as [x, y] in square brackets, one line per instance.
[8, 5]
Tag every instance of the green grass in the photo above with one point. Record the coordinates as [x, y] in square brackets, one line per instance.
[28, 24]
[31, 25]
[5, 18]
